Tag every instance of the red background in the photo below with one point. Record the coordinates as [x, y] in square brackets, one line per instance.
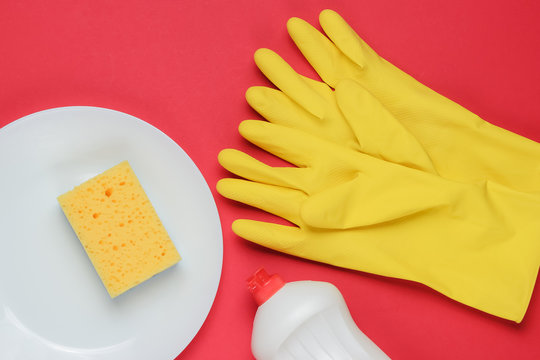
[184, 66]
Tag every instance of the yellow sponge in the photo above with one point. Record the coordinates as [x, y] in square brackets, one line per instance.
[119, 229]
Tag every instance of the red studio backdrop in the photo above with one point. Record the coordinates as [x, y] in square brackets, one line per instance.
[184, 66]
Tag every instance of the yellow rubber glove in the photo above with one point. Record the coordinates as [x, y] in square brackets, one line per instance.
[461, 145]
[476, 244]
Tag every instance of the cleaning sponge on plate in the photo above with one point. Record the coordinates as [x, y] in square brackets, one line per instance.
[119, 229]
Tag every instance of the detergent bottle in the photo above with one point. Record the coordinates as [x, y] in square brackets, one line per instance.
[305, 320]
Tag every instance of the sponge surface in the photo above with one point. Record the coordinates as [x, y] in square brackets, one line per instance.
[119, 229]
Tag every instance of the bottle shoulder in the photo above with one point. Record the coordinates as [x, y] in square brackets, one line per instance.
[309, 319]
[289, 309]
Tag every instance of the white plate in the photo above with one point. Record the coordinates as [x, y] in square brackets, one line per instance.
[52, 303]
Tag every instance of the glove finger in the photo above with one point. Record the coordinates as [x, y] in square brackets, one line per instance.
[395, 89]
[346, 39]
[278, 108]
[287, 80]
[327, 60]
[296, 147]
[250, 168]
[276, 200]
[274, 236]
[380, 134]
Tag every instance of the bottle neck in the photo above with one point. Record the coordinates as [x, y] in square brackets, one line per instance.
[263, 286]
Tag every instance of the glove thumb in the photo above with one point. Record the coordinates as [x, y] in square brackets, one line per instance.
[363, 202]
[378, 132]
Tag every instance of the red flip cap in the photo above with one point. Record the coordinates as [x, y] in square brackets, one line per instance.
[262, 286]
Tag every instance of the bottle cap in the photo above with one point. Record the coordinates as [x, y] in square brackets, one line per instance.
[262, 286]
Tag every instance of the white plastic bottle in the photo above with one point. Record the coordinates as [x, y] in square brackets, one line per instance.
[305, 320]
